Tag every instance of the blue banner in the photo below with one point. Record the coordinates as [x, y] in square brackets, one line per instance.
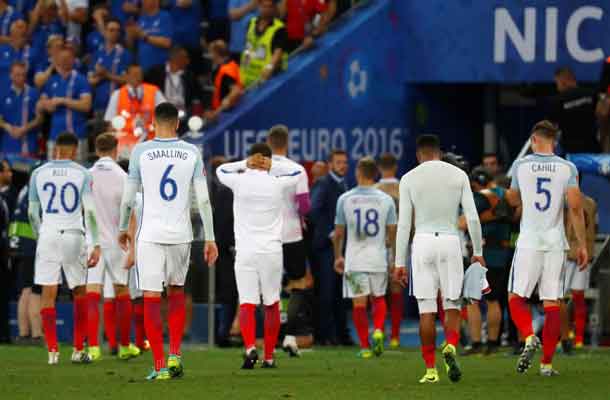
[347, 94]
[503, 40]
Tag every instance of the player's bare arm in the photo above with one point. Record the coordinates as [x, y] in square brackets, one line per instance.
[513, 198]
[577, 219]
[391, 240]
[210, 250]
[91, 224]
[338, 248]
[129, 196]
[131, 253]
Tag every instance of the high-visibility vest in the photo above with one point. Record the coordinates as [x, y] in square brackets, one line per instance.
[230, 69]
[137, 112]
[259, 52]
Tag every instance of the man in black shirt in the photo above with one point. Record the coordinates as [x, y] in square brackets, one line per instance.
[573, 110]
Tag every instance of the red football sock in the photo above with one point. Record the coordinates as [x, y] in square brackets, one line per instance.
[396, 310]
[93, 318]
[80, 322]
[379, 311]
[110, 322]
[580, 315]
[521, 316]
[427, 352]
[138, 322]
[247, 324]
[154, 329]
[272, 329]
[49, 327]
[550, 333]
[176, 317]
[123, 308]
[361, 323]
[452, 337]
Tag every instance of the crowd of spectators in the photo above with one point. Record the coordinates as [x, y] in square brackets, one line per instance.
[63, 63]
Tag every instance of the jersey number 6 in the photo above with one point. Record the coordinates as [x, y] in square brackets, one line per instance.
[171, 193]
[545, 192]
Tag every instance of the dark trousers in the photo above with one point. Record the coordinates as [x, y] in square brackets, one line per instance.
[5, 287]
[331, 310]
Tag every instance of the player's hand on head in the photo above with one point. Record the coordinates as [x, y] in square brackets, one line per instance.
[340, 265]
[210, 253]
[266, 163]
[124, 240]
[478, 259]
[94, 257]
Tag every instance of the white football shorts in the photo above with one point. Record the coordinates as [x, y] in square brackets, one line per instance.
[61, 250]
[159, 265]
[436, 264]
[257, 276]
[111, 267]
[576, 279]
[533, 267]
[359, 284]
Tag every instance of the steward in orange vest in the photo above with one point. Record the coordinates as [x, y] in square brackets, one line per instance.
[227, 81]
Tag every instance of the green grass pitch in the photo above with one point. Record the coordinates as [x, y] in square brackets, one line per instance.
[321, 374]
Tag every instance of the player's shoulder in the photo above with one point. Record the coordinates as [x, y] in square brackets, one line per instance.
[283, 165]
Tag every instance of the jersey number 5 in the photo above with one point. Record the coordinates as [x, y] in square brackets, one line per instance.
[371, 222]
[50, 186]
[168, 194]
[545, 192]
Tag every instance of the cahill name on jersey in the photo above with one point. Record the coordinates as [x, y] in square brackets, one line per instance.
[365, 212]
[166, 168]
[543, 181]
[59, 186]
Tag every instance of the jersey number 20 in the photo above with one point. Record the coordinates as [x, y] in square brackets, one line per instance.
[370, 225]
[168, 187]
[540, 189]
[50, 186]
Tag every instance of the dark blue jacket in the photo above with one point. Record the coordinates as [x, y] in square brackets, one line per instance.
[324, 196]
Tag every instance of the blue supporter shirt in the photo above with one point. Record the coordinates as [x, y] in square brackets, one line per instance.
[17, 109]
[8, 55]
[94, 41]
[23, 6]
[159, 24]
[187, 29]
[66, 119]
[239, 28]
[41, 35]
[116, 62]
[116, 10]
[9, 16]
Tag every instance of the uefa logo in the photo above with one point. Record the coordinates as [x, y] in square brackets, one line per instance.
[356, 77]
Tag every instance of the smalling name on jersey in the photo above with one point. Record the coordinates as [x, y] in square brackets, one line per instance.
[544, 167]
[167, 153]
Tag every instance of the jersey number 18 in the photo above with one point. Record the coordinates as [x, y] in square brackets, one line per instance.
[370, 225]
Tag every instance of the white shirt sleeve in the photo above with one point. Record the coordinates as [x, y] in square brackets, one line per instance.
[112, 106]
[228, 174]
[159, 98]
[405, 217]
[472, 219]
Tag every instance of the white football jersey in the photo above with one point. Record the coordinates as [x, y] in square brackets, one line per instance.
[59, 186]
[292, 230]
[365, 212]
[108, 182]
[257, 207]
[543, 180]
[166, 169]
